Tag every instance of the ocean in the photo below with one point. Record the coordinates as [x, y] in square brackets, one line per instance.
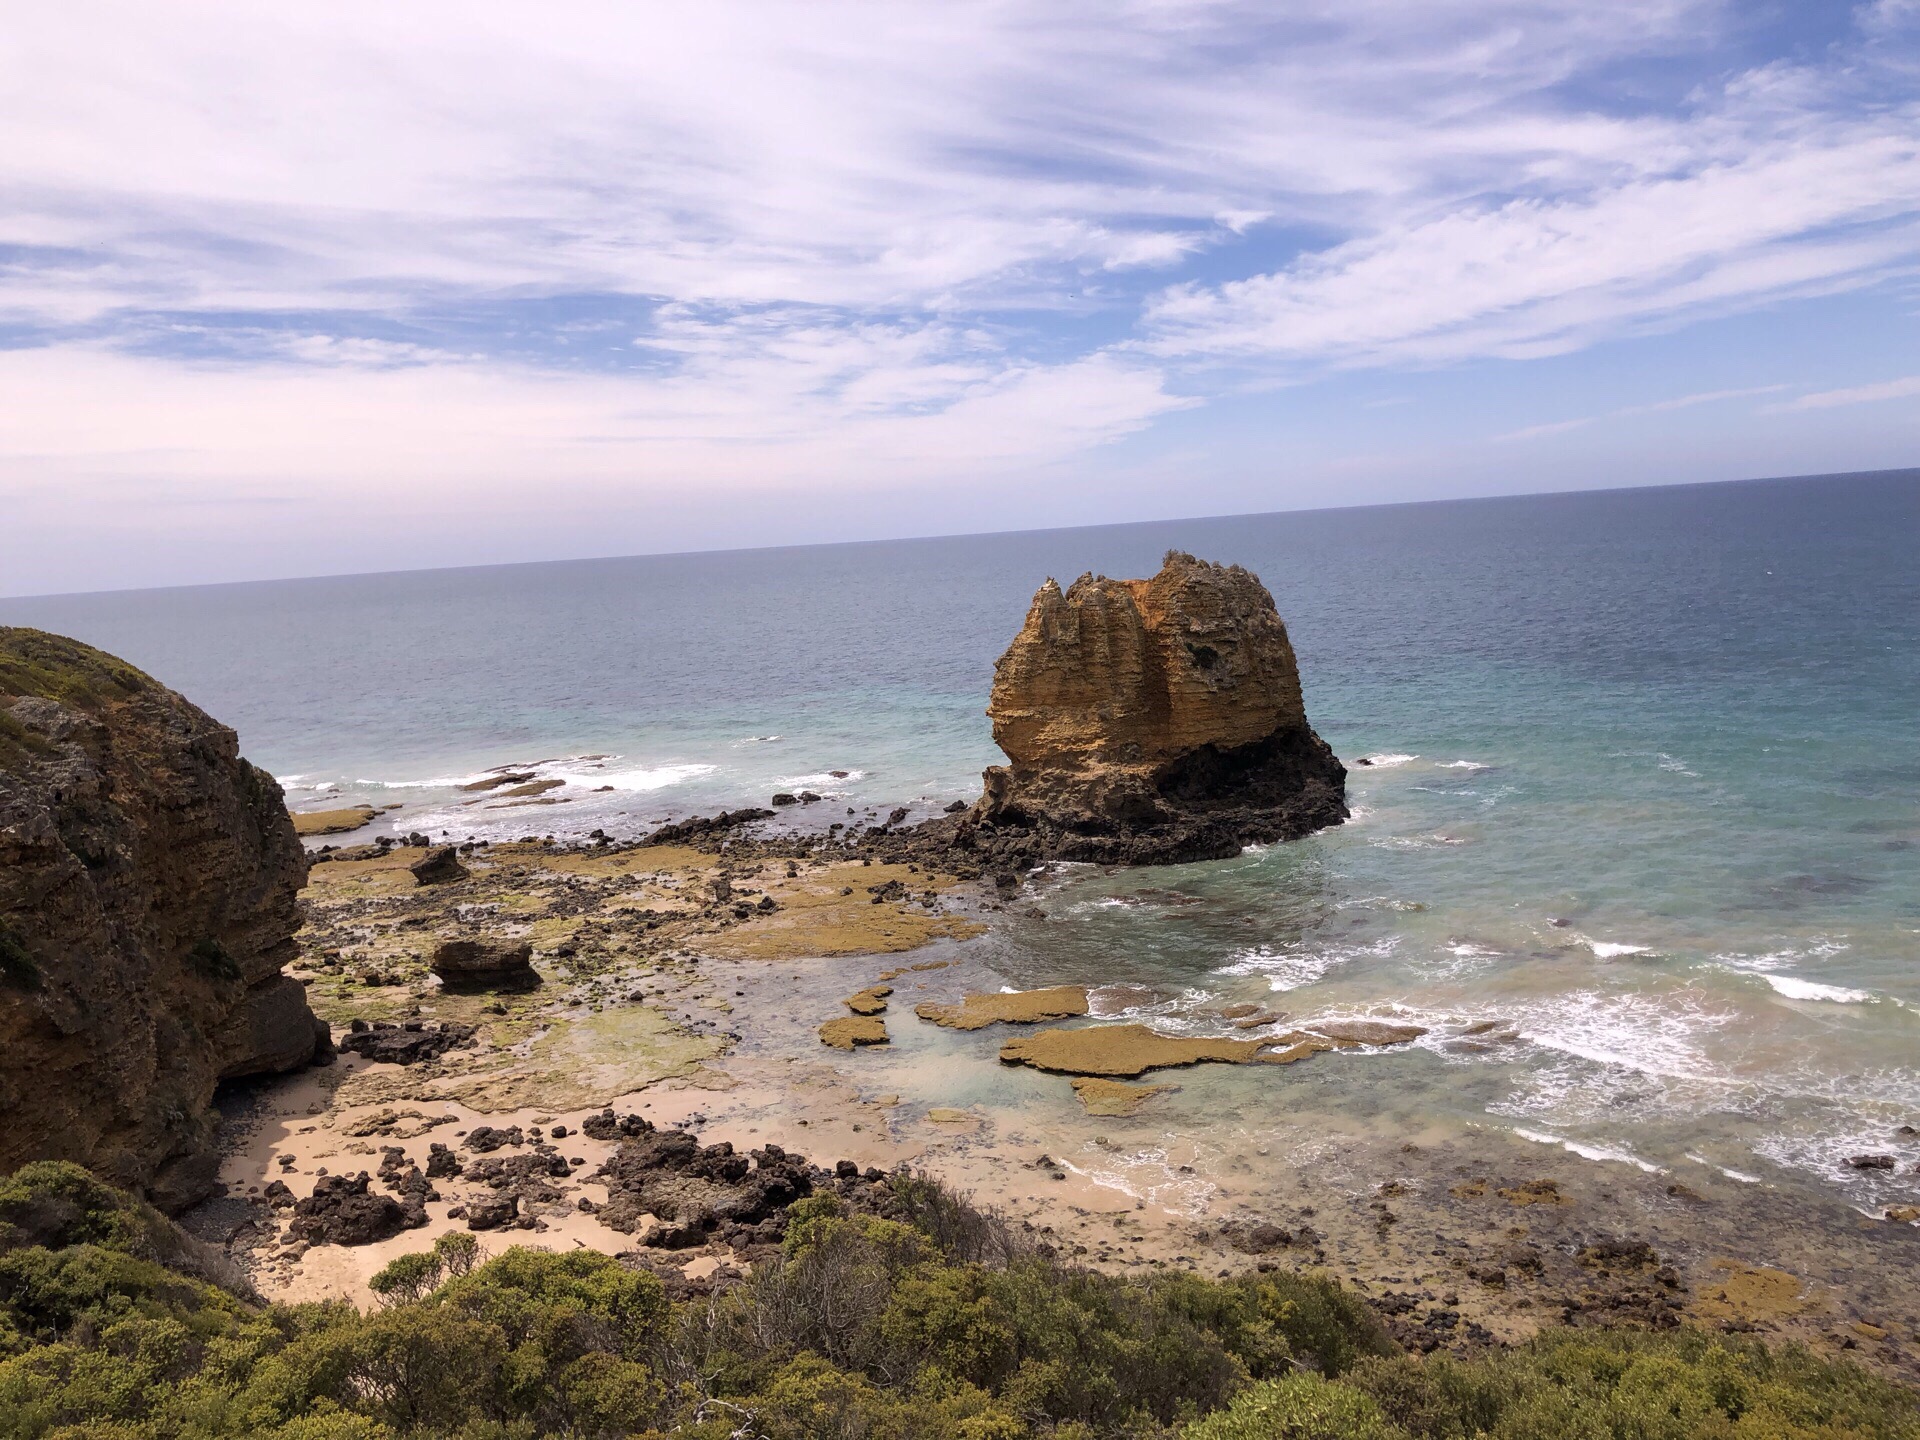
[1639, 838]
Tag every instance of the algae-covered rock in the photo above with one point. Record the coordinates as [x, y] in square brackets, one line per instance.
[1121, 1050]
[854, 1031]
[333, 822]
[1020, 1007]
[1115, 1098]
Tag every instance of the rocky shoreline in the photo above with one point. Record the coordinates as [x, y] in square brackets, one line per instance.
[689, 1008]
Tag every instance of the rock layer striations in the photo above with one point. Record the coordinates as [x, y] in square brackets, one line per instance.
[1151, 721]
[148, 900]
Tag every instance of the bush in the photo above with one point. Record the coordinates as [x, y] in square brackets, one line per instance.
[863, 1328]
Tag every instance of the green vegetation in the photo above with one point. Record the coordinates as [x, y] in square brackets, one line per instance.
[114, 1327]
[52, 667]
[35, 662]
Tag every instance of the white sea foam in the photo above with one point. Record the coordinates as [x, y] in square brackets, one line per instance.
[1389, 761]
[1650, 1034]
[644, 778]
[1590, 1152]
[1796, 989]
[1731, 1174]
[1147, 1175]
[1290, 968]
[1611, 950]
[1462, 765]
[819, 780]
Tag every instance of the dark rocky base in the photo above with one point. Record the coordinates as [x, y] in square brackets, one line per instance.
[1207, 805]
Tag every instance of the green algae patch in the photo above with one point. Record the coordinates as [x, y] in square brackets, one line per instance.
[1121, 1050]
[1115, 1099]
[813, 917]
[570, 1064]
[1744, 1294]
[853, 1032]
[332, 822]
[1366, 1032]
[1022, 1007]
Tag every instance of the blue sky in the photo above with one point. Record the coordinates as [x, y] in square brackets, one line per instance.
[300, 290]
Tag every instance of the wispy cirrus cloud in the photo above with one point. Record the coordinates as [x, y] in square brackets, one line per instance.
[1906, 387]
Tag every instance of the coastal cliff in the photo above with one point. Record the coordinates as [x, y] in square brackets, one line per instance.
[148, 902]
[1154, 721]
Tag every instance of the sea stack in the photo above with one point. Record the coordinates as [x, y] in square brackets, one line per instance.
[149, 882]
[1154, 721]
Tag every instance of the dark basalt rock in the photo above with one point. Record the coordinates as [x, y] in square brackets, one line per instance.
[438, 866]
[409, 1044]
[703, 826]
[344, 1211]
[697, 1190]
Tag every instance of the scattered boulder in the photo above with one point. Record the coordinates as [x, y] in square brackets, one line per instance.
[471, 965]
[413, 1043]
[343, 1211]
[486, 1139]
[696, 1190]
[439, 866]
[493, 1212]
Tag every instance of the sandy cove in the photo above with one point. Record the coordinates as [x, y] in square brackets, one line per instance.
[688, 986]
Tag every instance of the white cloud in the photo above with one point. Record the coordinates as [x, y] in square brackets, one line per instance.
[1901, 389]
[851, 245]
[1533, 276]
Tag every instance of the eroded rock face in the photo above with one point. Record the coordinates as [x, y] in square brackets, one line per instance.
[1150, 721]
[148, 884]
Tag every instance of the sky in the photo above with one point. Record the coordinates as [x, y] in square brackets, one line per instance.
[293, 290]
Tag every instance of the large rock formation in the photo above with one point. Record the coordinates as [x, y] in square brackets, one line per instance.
[1150, 721]
[148, 900]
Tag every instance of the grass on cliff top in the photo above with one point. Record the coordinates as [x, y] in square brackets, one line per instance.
[35, 662]
[938, 1324]
[52, 667]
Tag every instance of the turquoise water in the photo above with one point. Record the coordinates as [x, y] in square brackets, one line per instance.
[1645, 793]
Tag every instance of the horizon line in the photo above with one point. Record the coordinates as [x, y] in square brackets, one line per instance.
[965, 534]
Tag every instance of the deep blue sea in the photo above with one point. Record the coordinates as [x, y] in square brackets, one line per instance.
[1645, 789]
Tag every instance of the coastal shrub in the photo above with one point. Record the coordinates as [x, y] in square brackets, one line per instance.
[861, 1328]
